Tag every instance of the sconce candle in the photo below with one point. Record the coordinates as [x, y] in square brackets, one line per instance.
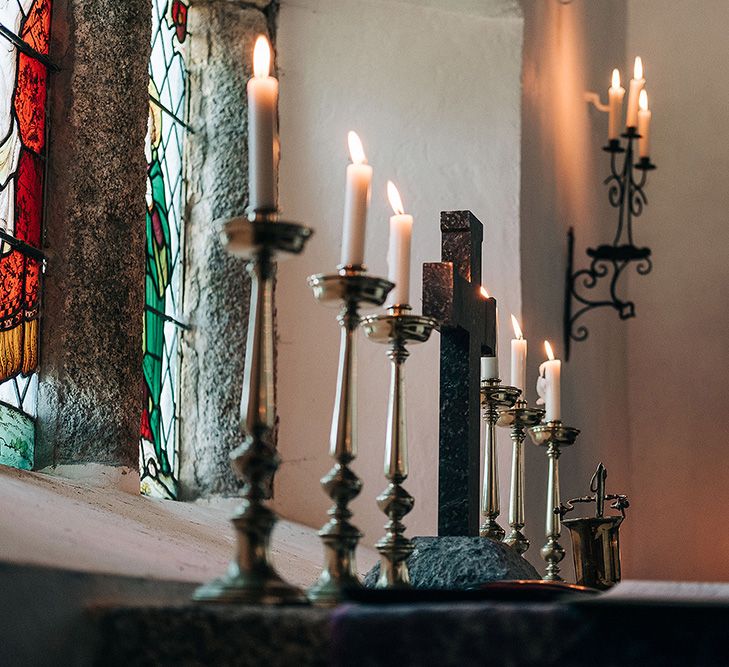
[644, 126]
[518, 357]
[490, 365]
[262, 101]
[615, 102]
[636, 85]
[356, 201]
[398, 253]
[548, 385]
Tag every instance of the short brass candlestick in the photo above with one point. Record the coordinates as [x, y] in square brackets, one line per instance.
[396, 329]
[251, 576]
[494, 398]
[518, 419]
[348, 288]
[553, 435]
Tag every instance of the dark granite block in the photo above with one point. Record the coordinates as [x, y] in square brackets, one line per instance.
[461, 562]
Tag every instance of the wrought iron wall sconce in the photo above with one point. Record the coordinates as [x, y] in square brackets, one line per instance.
[608, 262]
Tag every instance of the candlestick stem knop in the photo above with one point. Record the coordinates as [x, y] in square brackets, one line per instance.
[397, 329]
[349, 288]
[252, 577]
[518, 419]
[554, 436]
[495, 397]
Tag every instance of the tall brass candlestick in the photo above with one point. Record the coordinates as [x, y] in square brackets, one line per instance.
[251, 576]
[396, 329]
[518, 418]
[553, 435]
[494, 398]
[349, 288]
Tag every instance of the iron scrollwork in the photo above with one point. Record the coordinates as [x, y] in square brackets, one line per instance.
[608, 261]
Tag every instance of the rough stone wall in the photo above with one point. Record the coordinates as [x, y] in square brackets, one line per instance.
[216, 286]
[91, 372]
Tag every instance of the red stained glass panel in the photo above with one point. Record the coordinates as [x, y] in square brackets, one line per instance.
[21, 199]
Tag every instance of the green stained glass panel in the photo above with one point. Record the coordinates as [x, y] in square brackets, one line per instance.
[164, 231]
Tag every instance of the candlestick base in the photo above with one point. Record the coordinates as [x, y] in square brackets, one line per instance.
[494, 398]
[347, 289]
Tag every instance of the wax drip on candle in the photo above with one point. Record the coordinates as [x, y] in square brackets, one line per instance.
[615, 105]
[636, 84]
[644, 120]
[548, 385]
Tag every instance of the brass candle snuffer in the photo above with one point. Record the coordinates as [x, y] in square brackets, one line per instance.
[397, 329]
[251, 576]
[596, 540]
[495, 398]
[350, 287]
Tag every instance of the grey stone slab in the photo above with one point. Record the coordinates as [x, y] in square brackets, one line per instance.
[461, 562]
[216, 284]
[89, 406]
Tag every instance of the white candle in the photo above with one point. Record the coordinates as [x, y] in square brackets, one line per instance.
[518, 357]
[548, 385]
[262, 101]
[644, 126]
[356, 201]
[490, 365]
[636, 85]
[615, 102]
[398, 253]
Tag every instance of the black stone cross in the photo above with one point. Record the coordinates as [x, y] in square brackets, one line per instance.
[452, 295]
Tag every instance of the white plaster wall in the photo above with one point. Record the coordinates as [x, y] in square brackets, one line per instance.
[568, 49]
[434, 91]
[677, 345]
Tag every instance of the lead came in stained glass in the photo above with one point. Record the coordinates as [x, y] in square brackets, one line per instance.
[24, 41]
[164, 230]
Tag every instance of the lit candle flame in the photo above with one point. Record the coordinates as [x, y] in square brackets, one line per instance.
[548, 349]
[643, 100]
[261, 57]
[356, 150]
[616, 78]
[395, 201]
[517, 328]
[484, 293]
[638, 68]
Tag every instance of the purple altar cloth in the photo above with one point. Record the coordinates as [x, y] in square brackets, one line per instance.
[593, 634]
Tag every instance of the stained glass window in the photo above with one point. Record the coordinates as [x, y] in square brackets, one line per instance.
[24, 39]
[164, 225]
